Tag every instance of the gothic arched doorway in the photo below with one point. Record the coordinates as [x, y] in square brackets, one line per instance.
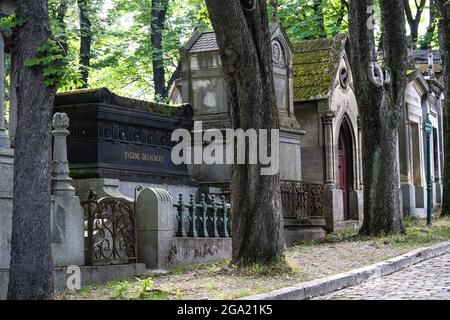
[346, 166]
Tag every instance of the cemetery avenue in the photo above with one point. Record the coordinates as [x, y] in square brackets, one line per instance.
[196, 150]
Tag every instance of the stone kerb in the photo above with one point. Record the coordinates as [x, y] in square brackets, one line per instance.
[155, 227]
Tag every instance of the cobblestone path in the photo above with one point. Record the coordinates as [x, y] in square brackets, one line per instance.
[429, 280]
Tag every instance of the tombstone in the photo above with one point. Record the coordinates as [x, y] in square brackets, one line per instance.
[155, 233]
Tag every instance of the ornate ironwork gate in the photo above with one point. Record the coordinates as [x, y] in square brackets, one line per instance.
[110, 231]
[302, 201]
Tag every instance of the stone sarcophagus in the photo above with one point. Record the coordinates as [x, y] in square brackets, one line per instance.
[121, 138]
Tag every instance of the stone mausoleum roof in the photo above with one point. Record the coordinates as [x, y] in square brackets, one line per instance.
[206, 42]
[106, 97]
[315, 66]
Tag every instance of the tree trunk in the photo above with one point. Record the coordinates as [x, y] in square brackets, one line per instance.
[85, 40]
[245, 48]
[159, 12]
[380, 104]
[62, 28]
[31, 272]
[414, 20]
[319, 17]
[431, 27]
[444, 39]
[342, 11]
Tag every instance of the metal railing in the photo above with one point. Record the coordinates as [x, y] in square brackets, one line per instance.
[205, 220]
[111, 231]
[302, 201]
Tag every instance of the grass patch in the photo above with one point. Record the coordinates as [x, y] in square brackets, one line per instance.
[208, 268]
[241, 294]
[417, 233]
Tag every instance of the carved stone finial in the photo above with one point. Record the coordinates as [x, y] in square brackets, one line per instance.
[60, 121]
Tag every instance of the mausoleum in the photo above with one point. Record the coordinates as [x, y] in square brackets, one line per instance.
[326, 108]
[423, 99]
[203, 85]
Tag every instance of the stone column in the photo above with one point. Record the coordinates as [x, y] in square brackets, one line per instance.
[4, 138]
[360, 158]
[61, 182]
[327, 120]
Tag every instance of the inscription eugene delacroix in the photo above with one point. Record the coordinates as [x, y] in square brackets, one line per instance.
[144, 156]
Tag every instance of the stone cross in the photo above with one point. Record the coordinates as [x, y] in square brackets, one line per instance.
[4, 137]
[61, 182]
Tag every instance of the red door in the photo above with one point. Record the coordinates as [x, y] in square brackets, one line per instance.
[343, 175]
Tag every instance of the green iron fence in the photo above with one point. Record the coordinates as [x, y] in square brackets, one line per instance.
[205, 220]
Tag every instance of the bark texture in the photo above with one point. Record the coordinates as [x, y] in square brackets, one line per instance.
[85, 40]
[380, 97]
[31, 275]
[245, 48]
[444, 39]
[159, 12]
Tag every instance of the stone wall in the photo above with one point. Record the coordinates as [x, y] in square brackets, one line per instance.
[186, 251]
[6, 204]
[89, 276]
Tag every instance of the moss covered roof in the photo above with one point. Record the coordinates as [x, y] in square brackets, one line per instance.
[315, 66]
[104, 96]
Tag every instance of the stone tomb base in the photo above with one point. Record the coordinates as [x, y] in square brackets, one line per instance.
[296, 231]
[89, 276]
[334, 209]
[414, 201]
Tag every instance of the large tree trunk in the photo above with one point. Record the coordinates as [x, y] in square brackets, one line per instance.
[31, 272]
[245, 48]
[159, 12]
[380, 104]
[444, 39]
[85, 40]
